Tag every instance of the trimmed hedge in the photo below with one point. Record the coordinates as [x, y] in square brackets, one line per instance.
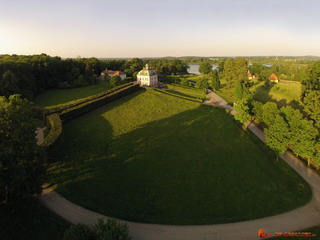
[74, 103]
[87, 106]
[182, 86]
[56, 129]
[199, 100]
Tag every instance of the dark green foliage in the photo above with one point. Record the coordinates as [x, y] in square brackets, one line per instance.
[241, 91]
[269, 113]
[110, 230]
[55, 130]
[79, 232]
[258, 110]
[31, 222]
[115, 80]
[205, 68]
[9, 84]
[244, 110]
[313, 79]
[202, 83]
[80, 81]
[169, 67]
[214, 81]
[311, 104]
[21, 160]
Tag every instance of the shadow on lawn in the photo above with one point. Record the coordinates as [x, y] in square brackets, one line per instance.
[262, 93]
[184, 169]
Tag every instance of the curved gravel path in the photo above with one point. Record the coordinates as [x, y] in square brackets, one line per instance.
[297, 219]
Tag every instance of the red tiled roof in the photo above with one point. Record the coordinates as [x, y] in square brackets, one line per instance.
[114, 72]
[250, 75]
[273, 77]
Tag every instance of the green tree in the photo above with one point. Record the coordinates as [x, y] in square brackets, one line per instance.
[214, 81]
[115, 80]
[240, 69]
[9, 84]
[202, 83]
[79, 232]
[80, 81]
[21, 160]
[244, 110]
[205, 68]
[241, 91]
[269, 113]
[258, 110]
[311, 103]
[277, 135]
[229, 75]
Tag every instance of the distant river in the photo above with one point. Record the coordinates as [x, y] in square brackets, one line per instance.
[194, 68]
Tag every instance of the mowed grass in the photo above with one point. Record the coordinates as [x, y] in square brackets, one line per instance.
[54, 97]
[186, 91]
[154, 158]
[282, 93]
[35, 222]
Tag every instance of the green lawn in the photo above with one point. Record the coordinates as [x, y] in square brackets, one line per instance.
[281, 93]
[34, 223]
[55, 97]
[185, 91]
[154, 158]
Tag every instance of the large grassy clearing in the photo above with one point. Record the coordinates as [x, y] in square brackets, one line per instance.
[154, 158]
[55, 97]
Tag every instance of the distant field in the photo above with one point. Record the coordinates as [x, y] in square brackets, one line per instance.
[54, 97]
[281, 93]
[154, 158]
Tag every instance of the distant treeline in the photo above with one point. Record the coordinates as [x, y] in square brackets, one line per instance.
[29, 75]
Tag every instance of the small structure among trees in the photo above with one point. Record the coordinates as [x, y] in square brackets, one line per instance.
[112, 73]
[274, 78]
[147, 77]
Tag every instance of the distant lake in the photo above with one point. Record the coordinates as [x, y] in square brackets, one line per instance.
[194, 68]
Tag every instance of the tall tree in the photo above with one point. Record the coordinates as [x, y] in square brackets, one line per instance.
[21, 161]
[205, 67]
[241, 91]
[311, 103]
[214, 81]
[9, 84]
[229, 75]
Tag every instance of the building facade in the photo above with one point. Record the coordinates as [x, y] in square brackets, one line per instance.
[112, 73]
[147, 77]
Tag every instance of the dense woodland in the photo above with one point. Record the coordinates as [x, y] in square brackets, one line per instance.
[30, 75]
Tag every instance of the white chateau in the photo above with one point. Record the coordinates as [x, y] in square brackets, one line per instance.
[147, 77]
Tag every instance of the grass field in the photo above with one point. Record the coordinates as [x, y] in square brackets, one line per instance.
[55, 97]
[153, 158]
[281, 93]
[185, 91]
[35, 223]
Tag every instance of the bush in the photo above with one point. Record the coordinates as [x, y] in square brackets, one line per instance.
[78, 232]
[56, 129]
[111, 230]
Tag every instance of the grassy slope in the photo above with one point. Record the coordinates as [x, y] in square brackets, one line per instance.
[281, 93]
[36, 223]
[54, 97]
[154, 158]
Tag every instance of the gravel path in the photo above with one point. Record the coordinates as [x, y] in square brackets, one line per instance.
[297, 219]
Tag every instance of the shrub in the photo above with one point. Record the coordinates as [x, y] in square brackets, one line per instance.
[111, 230]
[56, 129]
[78, 232]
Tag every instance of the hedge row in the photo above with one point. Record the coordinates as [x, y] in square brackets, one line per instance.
[80, 101]
[55, 131]
[186, 87]
[179, 96]
[85, 107]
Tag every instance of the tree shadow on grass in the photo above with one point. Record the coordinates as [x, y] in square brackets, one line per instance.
[195, 167]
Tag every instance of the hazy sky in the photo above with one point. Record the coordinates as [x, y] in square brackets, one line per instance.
[156, 28]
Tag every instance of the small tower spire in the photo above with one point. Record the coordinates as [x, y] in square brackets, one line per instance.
[147, 66]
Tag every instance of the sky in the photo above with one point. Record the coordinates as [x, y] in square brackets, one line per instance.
[159, 28]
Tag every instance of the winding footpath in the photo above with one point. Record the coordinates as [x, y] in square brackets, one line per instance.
[297, 219]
